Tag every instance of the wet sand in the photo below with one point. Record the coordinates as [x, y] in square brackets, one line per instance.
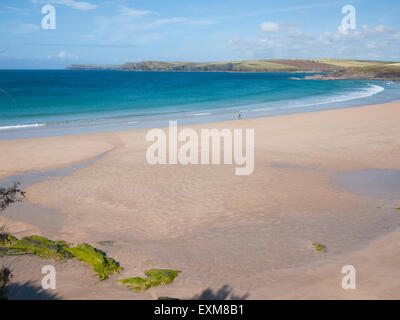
[252, 234]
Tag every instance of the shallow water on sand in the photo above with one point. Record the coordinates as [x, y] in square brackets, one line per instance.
[48, 220]
[29, 178]
[378, 183]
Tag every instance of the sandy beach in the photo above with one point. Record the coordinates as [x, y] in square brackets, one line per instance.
[233, 237]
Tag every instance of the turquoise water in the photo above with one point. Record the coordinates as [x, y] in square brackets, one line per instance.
[53, 102]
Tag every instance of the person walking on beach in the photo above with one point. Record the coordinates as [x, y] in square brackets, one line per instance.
[238, 116]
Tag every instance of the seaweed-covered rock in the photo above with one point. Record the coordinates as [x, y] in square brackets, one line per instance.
[154, 278]
[136, 283]
[59, 250]
[41, 247]
[103, 266]
[319, 247]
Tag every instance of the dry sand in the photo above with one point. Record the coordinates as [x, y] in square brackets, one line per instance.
[239, 236]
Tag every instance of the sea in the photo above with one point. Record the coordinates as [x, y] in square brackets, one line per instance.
[38, 103]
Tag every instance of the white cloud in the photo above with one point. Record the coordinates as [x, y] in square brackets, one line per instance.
[64, 55]
[395, 36]
[378, 42]
[365, 33]
[13, 8]
[132, 12]
[148, 38]
[161, 22]
[78, 5]
[342, 29]
[131, 25]
[268, 26]
[25, 28]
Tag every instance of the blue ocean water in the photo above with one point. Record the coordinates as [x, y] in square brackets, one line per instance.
[54, 102]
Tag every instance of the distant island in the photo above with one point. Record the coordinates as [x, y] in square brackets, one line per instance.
[328, 69]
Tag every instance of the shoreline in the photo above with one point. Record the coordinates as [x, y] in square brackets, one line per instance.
[205, 117]
[194, 218]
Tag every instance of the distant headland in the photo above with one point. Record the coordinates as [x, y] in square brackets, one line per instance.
[328, 69]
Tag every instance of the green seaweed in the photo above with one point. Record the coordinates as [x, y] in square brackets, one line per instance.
[137, 284]
[39, 246]
[59, 250]
[319, 247]
[102, 266]
[154, 278]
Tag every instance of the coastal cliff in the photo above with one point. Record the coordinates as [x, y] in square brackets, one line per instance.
[378, 73]
[231, 66]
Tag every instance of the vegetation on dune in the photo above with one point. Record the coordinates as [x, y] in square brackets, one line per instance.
[154, 278]
[397, 208]
[6, 239]
[319, 247]
[5, 278]
[103, 266]
[10, 195]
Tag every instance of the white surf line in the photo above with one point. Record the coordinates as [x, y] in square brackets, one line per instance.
[22, 126]
[374, 89]
[201, 114]
[263, 109]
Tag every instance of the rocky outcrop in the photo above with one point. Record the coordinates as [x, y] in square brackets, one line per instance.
[385, 74]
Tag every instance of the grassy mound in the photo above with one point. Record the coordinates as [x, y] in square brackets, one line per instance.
[39, 246]
[319, 247]
[103, 266]
[154, 278]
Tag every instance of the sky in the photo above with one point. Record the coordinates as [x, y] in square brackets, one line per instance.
[119, 31]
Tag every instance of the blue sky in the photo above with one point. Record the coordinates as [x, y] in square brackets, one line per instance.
[114, 32]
